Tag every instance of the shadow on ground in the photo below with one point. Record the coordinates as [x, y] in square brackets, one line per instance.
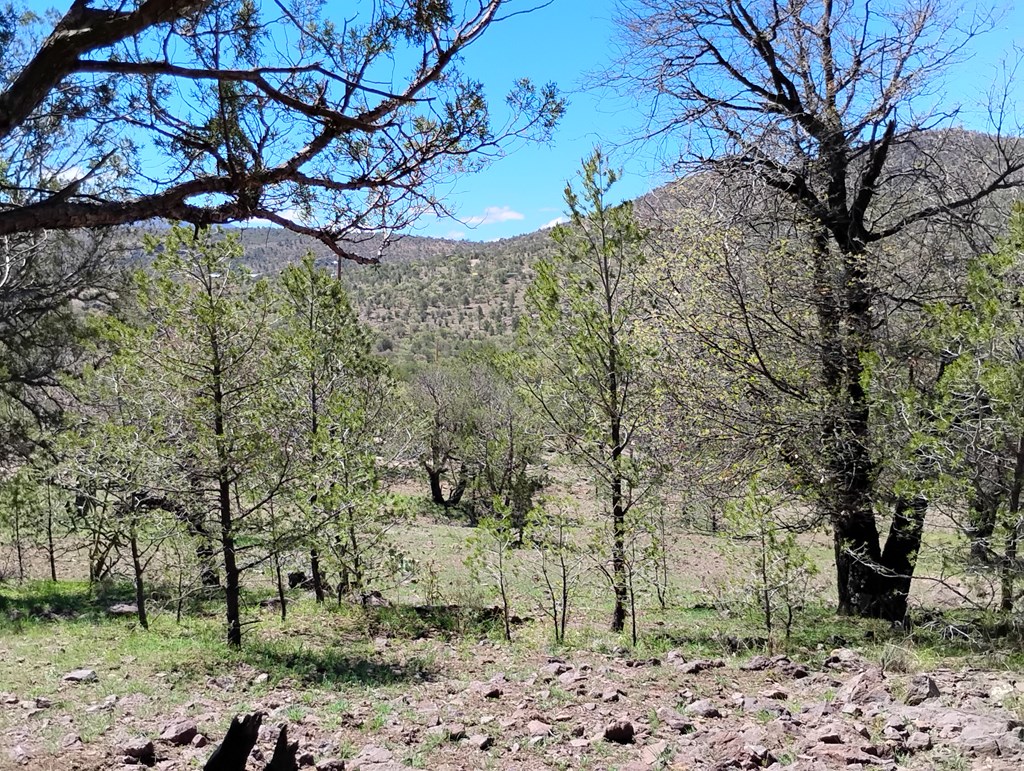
[331, 667]
[61, 601]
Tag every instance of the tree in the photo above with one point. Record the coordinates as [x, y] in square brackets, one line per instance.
[215, 389]
[976, 429]
[819, 112]
[445, 403]
[585, 370]
[45, 280]
[502, 451]
[342, 401]
[218, 112]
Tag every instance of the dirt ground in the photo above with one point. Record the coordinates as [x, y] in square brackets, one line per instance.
[477, 705]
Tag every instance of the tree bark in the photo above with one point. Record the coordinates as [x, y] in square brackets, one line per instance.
[318, 581]
[140, 589]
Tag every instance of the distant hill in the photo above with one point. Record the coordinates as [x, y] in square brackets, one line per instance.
[428, 297]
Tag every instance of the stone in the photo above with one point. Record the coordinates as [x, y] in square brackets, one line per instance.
[538, 728]
[19, 755]
[140, 748]
[919, 741]
[261, 679]
[81, 676]
[371, 753]
[757, 664]
[570, 677]
[104, 706]
[653, 753]
[702, 708]
[774, 693]
[123, 609]
[921, 688]
[199, 741]
[610, 696]
[481, 741]
[331, 764]
[180, 732]
[305, 759]
[456, 732]
[619, 732]
[700, 665]
[71, 742]
[864, 687]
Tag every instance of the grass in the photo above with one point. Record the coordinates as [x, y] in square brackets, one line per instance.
[346, 679]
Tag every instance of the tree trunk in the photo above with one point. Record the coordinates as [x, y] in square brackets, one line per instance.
[50, 550]
[318, 581]
[140, 588]
[1014, 527]
[618, 557]
[231, 578]
[280, 587]
[434, 474]
[982, 516]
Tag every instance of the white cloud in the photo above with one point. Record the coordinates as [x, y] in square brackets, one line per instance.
[455, 235]
[555, 221]
[493, 214]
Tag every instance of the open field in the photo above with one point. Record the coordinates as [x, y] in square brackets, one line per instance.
[399, 686]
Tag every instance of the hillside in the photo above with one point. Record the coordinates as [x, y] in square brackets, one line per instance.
[428, 297]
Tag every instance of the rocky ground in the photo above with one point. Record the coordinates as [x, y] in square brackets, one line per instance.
[584, 711]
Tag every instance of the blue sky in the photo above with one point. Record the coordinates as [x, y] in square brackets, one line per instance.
[562, 42]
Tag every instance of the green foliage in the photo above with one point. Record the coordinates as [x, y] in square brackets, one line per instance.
[975, 425]
[583, 366]
[772, 571]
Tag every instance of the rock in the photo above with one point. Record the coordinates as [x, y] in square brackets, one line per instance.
[570, 677]
[371, 753]
[455, 731]
[19, 755]
[653, 753]
[199, 741]
[844, 658]
[80, 676]
[610, 696]
[702, 708]
[481, 741]
[180, 732]
[579, 743]
[919, 741]
[538, 728]
[224, 682]
[921, 689]
[865, 687]
[104, 706]
[331, 764]
[123, 609]
[140, 748]
[71, 742]
[700, 665]
[261, 679]
[674, 720]
[555, 668]
[305, 759]
[619, 732]
[756, 756]
[757, 664]
[774, 693]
